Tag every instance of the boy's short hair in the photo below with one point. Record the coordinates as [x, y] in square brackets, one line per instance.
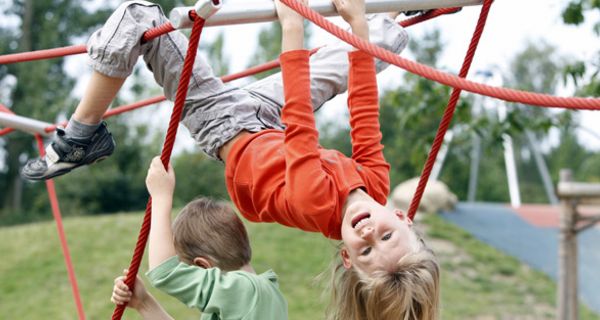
[411, 291]
[211, 229]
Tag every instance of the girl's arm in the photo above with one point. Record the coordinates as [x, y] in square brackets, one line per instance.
[304, 176]
[363, 100]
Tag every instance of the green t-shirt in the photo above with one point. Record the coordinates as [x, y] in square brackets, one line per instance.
[221, 295]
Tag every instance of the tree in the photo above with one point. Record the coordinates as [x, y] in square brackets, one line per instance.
[585, 75]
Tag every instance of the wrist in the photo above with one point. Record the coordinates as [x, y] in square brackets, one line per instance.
[292, 26]
[360, 28]
[147, 305]
[163, 196]
[358, 24]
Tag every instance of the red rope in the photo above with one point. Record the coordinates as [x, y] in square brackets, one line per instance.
[5, 131]
[42, 54]
[428, 15]
[166, 152]
[157, 31]
[449, 113]
[70, 50]
[510, 95]
[61, 234]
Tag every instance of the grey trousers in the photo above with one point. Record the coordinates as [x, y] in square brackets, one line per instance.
[215, 112]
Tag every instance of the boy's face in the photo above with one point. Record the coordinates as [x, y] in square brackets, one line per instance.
[375, 237]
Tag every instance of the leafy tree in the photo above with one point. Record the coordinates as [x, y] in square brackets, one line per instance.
[584, 74]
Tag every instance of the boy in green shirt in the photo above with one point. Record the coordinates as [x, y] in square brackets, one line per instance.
[203, 260]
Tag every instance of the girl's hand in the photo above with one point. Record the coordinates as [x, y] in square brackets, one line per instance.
[287, 16]
[159, 181]
[352, 11]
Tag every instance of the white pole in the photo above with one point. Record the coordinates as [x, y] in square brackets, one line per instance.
[263, 11]
[542, 167]
[439, 160]
[509, 161]
[24, 124]
[474, 169]
[511, 171]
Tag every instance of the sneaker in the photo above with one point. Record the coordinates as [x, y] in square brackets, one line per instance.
[65, 154]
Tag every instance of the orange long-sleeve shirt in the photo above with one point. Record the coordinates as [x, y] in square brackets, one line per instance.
[286, 177]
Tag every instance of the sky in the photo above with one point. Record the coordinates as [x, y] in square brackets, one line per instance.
[511, 25]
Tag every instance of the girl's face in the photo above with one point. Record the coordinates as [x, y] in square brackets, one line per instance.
[375, 237]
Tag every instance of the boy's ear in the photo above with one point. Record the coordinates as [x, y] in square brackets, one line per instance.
[203, 262]
[346, 258]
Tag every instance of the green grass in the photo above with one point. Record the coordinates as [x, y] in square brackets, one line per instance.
[481, 282]
[476, 281]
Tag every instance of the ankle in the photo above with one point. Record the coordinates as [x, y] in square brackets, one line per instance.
[81, 129]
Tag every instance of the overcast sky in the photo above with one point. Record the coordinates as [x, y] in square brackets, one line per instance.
[511, 24]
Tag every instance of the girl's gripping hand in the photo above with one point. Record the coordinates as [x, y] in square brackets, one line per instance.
[350, 10]
[287, 16]
[160, 182]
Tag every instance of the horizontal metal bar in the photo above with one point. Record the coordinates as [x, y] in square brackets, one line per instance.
[578, 190]
[264, 11]
[24, 124]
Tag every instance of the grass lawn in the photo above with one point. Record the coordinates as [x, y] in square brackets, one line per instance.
[477, 282]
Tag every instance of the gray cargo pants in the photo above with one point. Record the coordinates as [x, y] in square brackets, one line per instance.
[215, 112]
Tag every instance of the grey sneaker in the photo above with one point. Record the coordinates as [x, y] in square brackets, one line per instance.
[65, 154]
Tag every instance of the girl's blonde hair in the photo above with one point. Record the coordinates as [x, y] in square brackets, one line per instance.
[410, 292]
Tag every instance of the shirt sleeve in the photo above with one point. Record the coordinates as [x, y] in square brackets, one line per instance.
[363, 102]
[308, 187]
[210, 290]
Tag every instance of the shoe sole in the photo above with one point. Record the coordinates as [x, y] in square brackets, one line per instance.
[65, 170]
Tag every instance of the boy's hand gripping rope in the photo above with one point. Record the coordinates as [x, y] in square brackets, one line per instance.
[166, 152]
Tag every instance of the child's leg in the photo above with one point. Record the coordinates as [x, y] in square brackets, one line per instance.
[214, 112]
[99, 93]
[113, 51]
[329, 66]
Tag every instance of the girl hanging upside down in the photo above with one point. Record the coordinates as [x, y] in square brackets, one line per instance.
[275, 169]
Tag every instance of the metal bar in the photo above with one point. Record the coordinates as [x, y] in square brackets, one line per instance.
[542, 167]
[264, 11]
[24, 124]
[578, 189]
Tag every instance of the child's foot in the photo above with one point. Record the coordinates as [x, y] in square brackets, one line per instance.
[66, 153]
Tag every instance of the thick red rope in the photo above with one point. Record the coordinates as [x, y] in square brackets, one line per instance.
[166, 152]
[511, 95]
[61, 234]
[449, 113]
[428, 15]
[77, 49]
